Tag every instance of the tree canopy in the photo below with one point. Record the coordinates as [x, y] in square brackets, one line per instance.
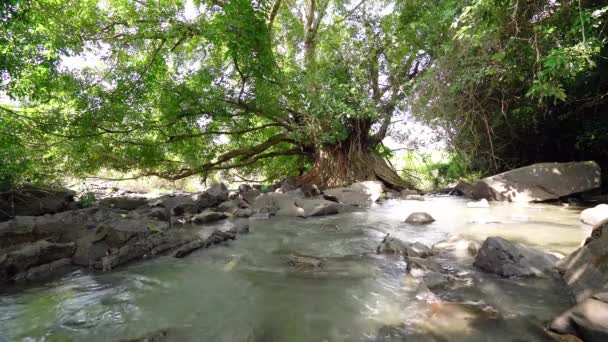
[287, 87]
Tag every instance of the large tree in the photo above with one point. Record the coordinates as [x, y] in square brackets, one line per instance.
[189, 88]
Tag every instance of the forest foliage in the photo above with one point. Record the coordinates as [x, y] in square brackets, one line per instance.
[266, 88]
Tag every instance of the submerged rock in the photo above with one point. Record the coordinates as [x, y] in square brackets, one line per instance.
[509, 259]
[595, 215]
[539, 182]
[419, 218]
[395, 246]
[215, 238]
[304, 261]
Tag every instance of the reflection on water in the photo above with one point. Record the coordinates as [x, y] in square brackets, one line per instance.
[247, 292]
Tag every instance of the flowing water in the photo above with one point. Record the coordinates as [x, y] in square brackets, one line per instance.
[247, 292]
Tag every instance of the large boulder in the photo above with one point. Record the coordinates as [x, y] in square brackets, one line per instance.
[595, 215]
[419, 218]
[250, 195]
[510, 259]
[587, 320]
[35, 201]
[585, 271]
[540, 182]
[360, 194]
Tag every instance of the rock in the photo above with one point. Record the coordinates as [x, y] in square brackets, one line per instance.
[243, 212]
[419, 218]
[244, 188]
[408, 192]
[457, 247]
[462, 188]
[360, 194]
[482, 203]
[216, 237]
[39, 253]
[414, 198]
[331, 198]
[218, 191]
[393, 245]
[43, 271]
[289, 184]
[318, 207]
[509, 259]
[278, 204]
[304, 261]
[587, 320]
[211, 197]
[241, 227]
[585, 270]
[179, 204]
[595, 215]
[125, 203]
[540, 182]
[232, 206]
[249, 196]
[208, 216]
[35, 201]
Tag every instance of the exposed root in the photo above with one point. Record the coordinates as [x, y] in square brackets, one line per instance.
[336, 167]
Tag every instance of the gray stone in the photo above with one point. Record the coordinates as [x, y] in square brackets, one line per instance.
[35, 201]
[585, 270]
[278, 204]
[509, 259]
[39, 253]
[595, 215]
[587, 320]
[360, 194]
[318, 207]
[419, 218]
[541, 182]
[208, 216]
[249, 196]
[395, 246]
[462, 188]
[125, 203]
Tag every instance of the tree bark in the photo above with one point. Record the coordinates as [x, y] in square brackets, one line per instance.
[348, 162]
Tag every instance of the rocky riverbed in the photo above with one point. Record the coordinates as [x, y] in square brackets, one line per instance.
[359, 263]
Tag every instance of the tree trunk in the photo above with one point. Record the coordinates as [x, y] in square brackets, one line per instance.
[343, 164]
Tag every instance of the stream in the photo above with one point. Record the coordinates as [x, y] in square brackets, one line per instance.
[247, 292]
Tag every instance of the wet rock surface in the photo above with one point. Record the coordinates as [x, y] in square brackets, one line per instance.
[587, 320]
[118, 231]
[539, 182]
[585, 271]
[509, 259]
[419, 218]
